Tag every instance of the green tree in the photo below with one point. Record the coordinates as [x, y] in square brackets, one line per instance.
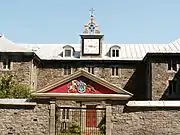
[10, 88]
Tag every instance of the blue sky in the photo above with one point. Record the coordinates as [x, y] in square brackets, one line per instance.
[61, 21]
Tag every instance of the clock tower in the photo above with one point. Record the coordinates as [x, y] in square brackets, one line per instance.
[91, 39]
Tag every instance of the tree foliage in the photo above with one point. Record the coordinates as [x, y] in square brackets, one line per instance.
[10, 88]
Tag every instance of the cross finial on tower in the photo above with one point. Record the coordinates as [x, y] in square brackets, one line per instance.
[91, 27]
[92, 11]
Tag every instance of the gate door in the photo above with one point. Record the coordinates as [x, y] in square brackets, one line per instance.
[80, 121]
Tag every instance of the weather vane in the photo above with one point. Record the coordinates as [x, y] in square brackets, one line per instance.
[92, 11]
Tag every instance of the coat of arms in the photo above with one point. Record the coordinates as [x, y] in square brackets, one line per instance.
[79, 86]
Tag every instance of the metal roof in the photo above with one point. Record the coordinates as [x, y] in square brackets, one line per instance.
[127, 51]
[53, 51]
[8, 46]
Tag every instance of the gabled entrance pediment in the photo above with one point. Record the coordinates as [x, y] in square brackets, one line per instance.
[82, 84]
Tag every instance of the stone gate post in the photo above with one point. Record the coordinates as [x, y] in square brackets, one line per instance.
[52, 122]
[108, 119]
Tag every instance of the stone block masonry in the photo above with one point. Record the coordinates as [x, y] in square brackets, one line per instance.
[21, 70]
[24, 119]
[145, 121]
[36, 119]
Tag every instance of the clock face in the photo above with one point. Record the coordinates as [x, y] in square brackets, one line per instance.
[91, 46]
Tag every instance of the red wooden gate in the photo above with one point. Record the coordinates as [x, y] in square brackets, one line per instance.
[91, 116]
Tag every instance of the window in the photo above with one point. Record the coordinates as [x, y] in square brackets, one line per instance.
[172, 65]
[115, 71]
[91, 70]
[6, 64]
[67, 70]
[115, 52]
[67, 53]
[65, 114]
[172, 87]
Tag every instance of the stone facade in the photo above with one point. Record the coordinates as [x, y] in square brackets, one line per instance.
[160, 77]
[24, 120]
[146, 80]
[132, 76]
[47, 75]
[159, 80]
[145, 121]
[23, 68]
[50, 72]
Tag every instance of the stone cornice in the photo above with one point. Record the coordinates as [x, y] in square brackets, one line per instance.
[84, 97]
[17, 102]
[153, 104]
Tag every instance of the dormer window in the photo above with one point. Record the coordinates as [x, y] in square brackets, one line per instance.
[115, 51]
[68, 51]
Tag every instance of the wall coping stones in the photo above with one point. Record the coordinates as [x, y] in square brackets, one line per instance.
[153, 104]
[83, 97]
[17, 102]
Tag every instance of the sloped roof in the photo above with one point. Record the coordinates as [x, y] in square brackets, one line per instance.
[52, 51]
[8, 46]
[127, 51]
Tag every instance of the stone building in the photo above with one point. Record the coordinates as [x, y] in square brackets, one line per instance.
[134, 87]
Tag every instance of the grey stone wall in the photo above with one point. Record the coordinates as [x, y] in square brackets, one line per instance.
[132, 77]
[46, 76]
[26, 120]
[69, 103]
[22, 120]
[121, 80]
[23, 66]
[160, 81]
[21, 70]
[49, 75]
[145, 121]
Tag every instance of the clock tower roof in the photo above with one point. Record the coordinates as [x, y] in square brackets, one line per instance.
[91, 28]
